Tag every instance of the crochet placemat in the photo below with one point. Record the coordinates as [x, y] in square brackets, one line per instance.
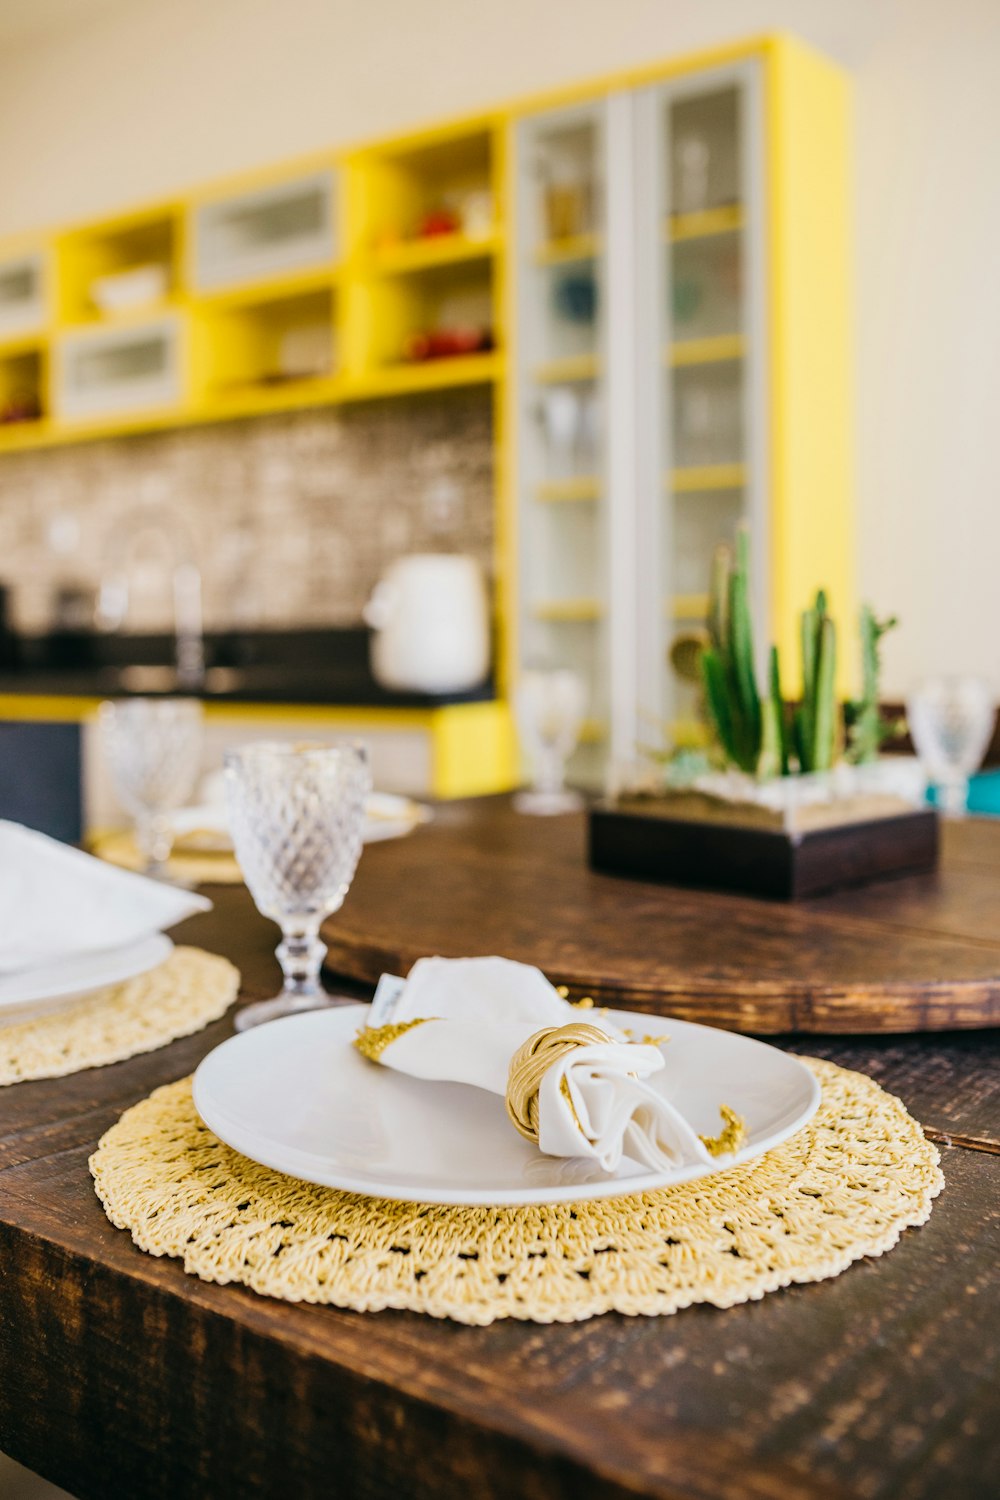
[192, 867]
[180, 996]
[845, 1186]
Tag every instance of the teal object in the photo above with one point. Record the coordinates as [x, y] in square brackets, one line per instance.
[984, 794]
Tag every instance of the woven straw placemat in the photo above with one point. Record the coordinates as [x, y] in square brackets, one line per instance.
[845, 1186]
[180, 996]
[192, 867]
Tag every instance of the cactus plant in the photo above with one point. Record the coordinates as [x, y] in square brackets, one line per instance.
[867, 730]
[768, 737]
[727, 664]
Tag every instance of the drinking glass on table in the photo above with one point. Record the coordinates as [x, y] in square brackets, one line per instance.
[549, 707]
[950, 721]
[296, 813]
[153, 750]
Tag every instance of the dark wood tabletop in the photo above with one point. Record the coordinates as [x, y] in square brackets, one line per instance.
[120, 1376]
[920, 952]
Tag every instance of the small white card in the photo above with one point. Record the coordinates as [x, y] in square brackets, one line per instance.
[385, 1000]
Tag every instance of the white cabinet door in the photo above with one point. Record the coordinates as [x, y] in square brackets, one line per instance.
[285, 227]
[22, 294]
[575, 372]
[703, 369]
[110, 372]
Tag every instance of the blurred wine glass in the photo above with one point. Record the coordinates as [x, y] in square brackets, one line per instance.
[153, 751]
[297, 815]
[549, 708]
[951, 720]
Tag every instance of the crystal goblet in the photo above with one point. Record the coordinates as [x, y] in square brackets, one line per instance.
[951, 720]
[549, 709]
[296, 814]
[153, 750]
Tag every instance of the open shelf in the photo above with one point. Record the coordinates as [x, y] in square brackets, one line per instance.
[429, 375]
[121, 269]
[273, 346]
[565, 251]
[413, 256]
[576, 367]
[582, 488]
[707, 477]
[569, 611]
[411, 196]
[22, 387]
[687, 607]
[706, 224]
[711, 351]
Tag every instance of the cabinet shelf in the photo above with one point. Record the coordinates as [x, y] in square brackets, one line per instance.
[687, 607]
[269, 289]
[413, 256]
[432, 375]
[553, 491]
[711, 351]
[707, 477]
[574, 247]
[569, 611]
[578, 367]
[704, 225]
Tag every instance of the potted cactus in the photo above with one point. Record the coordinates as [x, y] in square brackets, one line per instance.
[795, 799]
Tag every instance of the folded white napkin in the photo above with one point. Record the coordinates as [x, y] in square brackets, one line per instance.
[462, 1021]
[56, 901]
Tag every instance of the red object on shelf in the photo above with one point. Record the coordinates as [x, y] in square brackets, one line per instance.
[446, 343]
[438, 221]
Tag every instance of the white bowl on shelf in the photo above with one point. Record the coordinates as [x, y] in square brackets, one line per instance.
[123, 291]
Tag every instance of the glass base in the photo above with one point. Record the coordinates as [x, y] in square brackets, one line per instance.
[288, 1003]
[541, 804]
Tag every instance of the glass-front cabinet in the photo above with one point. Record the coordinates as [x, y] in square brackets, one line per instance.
[682, 367]
[699, 229]
[567, 357]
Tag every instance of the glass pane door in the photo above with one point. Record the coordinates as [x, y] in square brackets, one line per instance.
[563, 585]
[709, 375]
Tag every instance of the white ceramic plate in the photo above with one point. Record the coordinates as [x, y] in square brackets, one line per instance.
[35, 992]
[295, 1095]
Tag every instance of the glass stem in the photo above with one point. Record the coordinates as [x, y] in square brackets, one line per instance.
[549, 773]
[953, 796]
[152, 836]
[300, 954]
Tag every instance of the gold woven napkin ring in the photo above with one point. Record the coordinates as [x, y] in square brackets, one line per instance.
[533, 1060]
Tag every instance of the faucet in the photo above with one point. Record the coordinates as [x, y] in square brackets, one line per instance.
[154, 521]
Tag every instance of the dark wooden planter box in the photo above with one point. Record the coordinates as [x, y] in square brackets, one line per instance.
[761, 862]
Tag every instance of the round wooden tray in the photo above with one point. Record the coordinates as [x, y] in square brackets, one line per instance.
[915, 954]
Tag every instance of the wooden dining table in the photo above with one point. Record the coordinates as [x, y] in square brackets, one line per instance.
[122, 1376]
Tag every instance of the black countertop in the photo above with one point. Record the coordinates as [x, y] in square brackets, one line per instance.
[317, 667]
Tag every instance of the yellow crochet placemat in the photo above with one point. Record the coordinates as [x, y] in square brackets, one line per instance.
[193, 867]
[845, 1186]
[180, 996]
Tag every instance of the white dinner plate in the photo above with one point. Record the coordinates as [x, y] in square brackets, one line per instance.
[295, 1095]
[34, 992]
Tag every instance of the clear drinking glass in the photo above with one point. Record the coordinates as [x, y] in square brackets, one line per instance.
[296, 814]
[549, 708]
[951, 720]
[153, 750]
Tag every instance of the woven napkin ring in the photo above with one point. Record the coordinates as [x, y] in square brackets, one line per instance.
[532, 1061]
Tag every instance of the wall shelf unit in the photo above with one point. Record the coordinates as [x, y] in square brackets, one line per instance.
[682, 366]
[648, 274]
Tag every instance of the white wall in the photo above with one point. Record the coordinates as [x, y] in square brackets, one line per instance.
[115, 101]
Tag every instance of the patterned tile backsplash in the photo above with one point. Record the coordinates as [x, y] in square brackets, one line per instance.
[290, 518]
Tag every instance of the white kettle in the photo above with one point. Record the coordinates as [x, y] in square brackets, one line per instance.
[430, 617]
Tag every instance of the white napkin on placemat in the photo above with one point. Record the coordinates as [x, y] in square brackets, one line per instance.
[56, 901]
[474, 1014]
